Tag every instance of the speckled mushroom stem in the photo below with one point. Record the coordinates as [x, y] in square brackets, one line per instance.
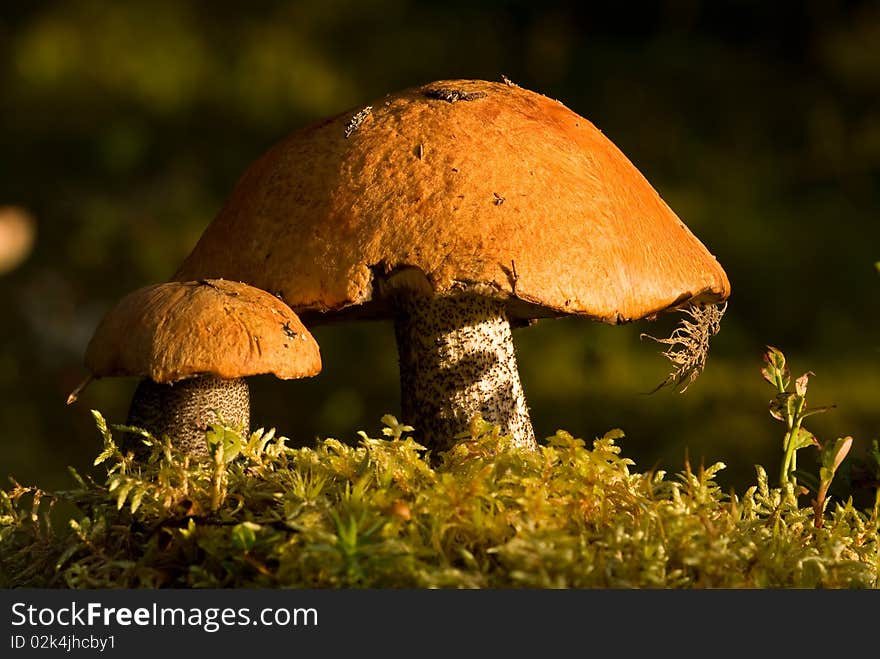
[184, 410]
[457, 358]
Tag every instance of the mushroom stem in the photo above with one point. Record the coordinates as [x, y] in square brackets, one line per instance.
[457, 359]
[184, 410]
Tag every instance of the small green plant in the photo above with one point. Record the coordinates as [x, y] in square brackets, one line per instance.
[790, 407]
[833, 454]
[866, 474]
[875, 457]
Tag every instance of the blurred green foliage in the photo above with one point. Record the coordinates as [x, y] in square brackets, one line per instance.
[124, 126]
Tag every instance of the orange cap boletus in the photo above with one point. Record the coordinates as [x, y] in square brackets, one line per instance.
[446, 206]
[193, 343]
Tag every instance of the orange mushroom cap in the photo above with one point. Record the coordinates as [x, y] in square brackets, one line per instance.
[467, 184]
[168, 332]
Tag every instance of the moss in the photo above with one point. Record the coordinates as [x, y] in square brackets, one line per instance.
[384, 514]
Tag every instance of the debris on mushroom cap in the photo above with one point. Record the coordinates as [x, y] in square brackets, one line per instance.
[168, 332]
[457, 180]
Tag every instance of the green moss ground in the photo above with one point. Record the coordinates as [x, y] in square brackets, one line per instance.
[386, 514]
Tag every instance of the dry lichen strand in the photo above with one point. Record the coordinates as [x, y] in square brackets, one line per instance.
[689, 344]
[184, 410]
[457, 359]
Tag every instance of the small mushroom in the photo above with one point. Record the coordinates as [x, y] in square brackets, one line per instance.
[457, 209]
[193, 343]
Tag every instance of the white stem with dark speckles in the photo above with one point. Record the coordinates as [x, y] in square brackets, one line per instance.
[184, 410]
[457, 359]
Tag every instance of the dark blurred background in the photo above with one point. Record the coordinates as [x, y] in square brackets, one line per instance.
[125, 125]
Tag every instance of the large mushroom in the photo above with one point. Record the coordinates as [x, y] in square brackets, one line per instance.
[193, 343]
[457, 208]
